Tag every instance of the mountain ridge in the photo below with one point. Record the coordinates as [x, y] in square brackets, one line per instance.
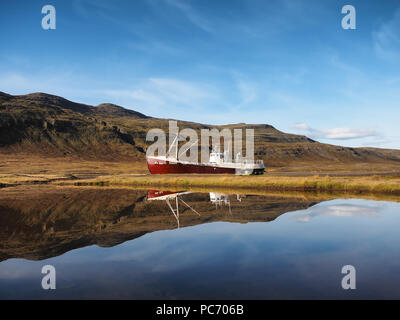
[52, 126]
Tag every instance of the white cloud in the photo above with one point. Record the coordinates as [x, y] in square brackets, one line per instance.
[336, 133]
[345, 133]
[301, 126]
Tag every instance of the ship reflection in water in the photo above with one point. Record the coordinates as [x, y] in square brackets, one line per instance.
[139, 244]
[219, 199]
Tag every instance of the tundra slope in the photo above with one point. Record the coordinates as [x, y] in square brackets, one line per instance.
[49, 126]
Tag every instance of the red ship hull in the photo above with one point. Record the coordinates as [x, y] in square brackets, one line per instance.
[157, 166]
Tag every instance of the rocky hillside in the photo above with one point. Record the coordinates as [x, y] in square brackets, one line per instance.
[52, 126]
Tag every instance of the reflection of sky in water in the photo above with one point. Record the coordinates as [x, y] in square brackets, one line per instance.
[339, 210]
[280, 259]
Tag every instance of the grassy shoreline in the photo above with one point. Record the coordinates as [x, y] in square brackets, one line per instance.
[367, 184]
[25, 169]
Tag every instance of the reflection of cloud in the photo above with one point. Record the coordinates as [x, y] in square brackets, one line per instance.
[339, 210]
[14, 269]
[336, 133]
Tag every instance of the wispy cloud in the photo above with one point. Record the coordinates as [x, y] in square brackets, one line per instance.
[160, 97]
[191, 14]
[17, 83]
[16, 59]
[61, 83]
[386, 40]
[88, 8]
[167, 94]
[336, 133]
[247, 91]
[155, 47]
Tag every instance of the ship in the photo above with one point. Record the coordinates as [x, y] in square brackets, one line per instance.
[219, 163]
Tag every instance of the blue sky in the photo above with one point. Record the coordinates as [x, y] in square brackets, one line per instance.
[287, 63]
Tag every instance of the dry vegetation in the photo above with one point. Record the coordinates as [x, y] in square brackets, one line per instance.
[23, 168]
[368, 184]
[29, 169]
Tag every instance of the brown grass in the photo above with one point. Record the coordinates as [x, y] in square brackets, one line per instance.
[370, 184]
[28, 169]
[23, 168]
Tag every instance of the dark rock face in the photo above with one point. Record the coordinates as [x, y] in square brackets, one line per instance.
[65, 126]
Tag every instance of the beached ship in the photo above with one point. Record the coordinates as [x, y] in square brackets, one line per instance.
[219, 163]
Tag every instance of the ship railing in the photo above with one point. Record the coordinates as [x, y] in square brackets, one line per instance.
[251, 162]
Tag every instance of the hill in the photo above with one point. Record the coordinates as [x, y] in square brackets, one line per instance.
[49, 126]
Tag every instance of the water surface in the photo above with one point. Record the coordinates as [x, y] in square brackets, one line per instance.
[134, 244]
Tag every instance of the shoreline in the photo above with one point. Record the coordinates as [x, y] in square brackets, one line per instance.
[348, 184]
[345, 179]
[373, 184]
[23, 189]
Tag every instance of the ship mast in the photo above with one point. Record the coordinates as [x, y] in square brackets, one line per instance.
[175, 141]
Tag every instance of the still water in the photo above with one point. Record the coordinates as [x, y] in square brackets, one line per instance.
[135, 244]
